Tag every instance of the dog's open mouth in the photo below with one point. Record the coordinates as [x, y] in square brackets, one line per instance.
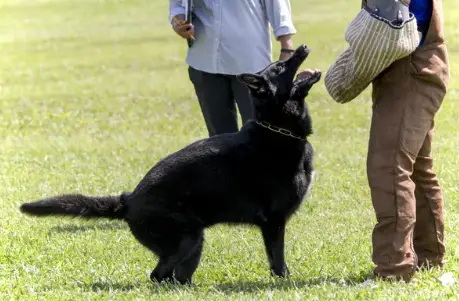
[307, 78]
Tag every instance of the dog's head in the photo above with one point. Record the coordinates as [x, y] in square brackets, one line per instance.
[278, 98]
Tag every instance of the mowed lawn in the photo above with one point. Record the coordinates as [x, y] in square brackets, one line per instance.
[94, 93]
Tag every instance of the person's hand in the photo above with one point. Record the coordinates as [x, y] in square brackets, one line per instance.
[185, 30]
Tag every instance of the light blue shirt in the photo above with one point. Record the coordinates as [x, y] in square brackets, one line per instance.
[233, 36]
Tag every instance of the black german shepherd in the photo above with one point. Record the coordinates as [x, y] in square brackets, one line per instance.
[257, 176]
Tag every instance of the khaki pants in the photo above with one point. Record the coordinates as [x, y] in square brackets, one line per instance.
[405, 191]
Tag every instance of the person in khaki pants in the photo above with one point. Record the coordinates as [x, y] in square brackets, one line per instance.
[405, 192]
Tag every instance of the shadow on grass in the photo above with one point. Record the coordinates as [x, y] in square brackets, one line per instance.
[108, 286]
[289, 284]
[74, 229]
[158, 288]
[236, 287]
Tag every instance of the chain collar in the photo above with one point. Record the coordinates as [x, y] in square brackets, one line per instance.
[278, 130]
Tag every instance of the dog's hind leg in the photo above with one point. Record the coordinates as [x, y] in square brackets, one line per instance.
[184, 271]
[273, 236]
[164, 269]
[169, 260]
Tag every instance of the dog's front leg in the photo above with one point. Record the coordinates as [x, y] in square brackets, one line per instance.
[273, 235]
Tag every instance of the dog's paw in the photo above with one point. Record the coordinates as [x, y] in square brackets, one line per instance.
[281, 273]
[155, 277]
[184, 281]
[170, 279]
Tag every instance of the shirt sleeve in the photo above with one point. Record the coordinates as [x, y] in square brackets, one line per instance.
[280, 17]
[175, 8]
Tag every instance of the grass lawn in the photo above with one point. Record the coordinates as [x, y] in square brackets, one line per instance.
[93, 93]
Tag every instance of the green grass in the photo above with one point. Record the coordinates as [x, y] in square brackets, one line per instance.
[93, 93]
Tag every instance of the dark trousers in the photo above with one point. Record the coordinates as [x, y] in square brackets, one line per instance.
[218, 95]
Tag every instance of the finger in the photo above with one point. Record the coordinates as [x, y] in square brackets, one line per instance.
[178, 21]
[191, 29]
[186, 27]
[183, 35]
[178, 27]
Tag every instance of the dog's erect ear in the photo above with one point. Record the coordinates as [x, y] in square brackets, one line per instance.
[253, 81]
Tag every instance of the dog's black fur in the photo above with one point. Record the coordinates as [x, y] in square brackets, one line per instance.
[255, 176]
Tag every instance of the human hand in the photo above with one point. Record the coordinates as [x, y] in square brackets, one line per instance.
[185, 30]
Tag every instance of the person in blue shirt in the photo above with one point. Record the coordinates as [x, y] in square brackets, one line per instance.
[231, 37]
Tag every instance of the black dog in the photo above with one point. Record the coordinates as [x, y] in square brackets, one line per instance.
[256, 176]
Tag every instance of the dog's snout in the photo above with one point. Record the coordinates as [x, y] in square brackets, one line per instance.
[301, 53]
[302, 49]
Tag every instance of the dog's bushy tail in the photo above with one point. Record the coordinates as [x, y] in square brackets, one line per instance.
[112, 207]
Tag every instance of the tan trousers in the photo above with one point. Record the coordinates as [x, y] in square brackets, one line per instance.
[405, 192]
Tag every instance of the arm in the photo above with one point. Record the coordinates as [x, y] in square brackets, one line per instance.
[286, 43]
[176, 9]
[177, 12]
[280, 17]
